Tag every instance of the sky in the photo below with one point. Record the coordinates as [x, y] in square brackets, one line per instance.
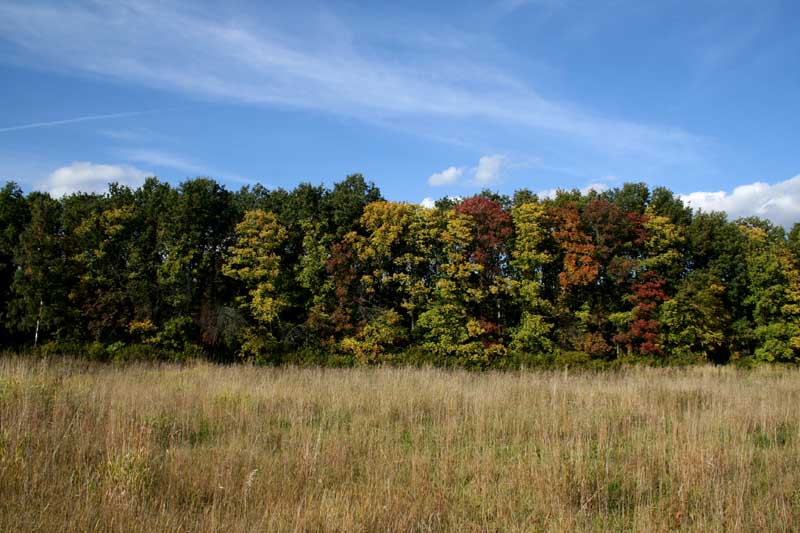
[426, 99]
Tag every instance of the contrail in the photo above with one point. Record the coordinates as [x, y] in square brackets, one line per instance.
[72, 121]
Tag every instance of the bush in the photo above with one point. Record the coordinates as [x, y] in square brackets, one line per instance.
[59, 348]
[315, 356]
[135, 352]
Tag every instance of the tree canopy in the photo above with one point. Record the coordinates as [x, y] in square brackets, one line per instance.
[343, 275]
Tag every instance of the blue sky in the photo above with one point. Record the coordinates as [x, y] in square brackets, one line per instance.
[425, 99]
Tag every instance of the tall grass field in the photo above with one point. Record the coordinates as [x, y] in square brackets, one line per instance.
[89, 447]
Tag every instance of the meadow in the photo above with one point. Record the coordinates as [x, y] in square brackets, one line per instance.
[200, 447]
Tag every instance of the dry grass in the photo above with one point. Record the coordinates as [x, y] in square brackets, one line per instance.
[87, 447]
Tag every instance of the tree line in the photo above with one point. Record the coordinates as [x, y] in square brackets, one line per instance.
[343, 276]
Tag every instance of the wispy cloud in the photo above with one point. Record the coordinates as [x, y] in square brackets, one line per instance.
[158, 158]
[207, 55]
[161, 159]
[74, 120]
[509, 6]
[135, 135]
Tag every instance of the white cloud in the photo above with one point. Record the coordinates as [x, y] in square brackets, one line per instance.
[488, 170]
[428, 202]
[597, 187]
[486, 173]
[448, 176]
[84, 176]
[779, 203]
[190, 48]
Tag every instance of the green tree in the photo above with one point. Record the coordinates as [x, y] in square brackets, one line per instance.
[695, 319]
[719, 247]
[14, 216]
[40, 306]
[153, 203]
[772, 270]
[100, 252]
[663, 202]
[316, 327]
[631, 198]
[194, 240]
[345, 204]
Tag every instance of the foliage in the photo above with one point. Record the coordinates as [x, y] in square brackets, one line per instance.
[254, 261]
[342, 276]
[695, 318]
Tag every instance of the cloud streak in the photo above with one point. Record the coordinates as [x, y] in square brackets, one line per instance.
[86, 118]
[206, 55]
[158, 158]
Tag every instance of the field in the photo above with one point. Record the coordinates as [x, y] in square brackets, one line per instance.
[201, 447]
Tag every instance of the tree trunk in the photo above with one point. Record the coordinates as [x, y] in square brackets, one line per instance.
[38, 320]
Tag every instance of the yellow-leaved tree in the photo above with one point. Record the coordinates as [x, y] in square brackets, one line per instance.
[529, 257]
[254, 261]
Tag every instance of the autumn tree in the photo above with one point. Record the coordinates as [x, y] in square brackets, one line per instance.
[664, 248]
[318, 273]
[448, 328]
[253, 261]
[601, 248]
[639, 328]
[530, 255]
[490, 251]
